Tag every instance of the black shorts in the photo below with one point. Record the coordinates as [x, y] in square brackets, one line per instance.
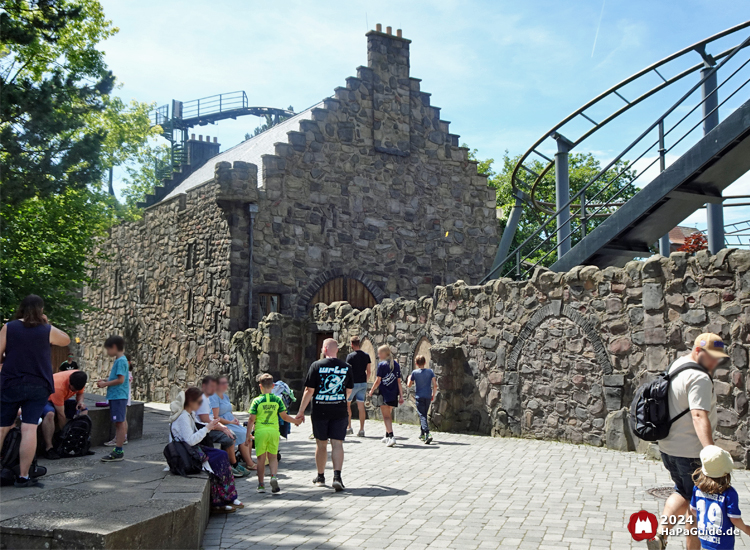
[393, 403]
[681, 471]
[330, 428]
[31, 399]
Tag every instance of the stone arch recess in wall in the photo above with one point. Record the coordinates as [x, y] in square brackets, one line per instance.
[309, 292]
[557, 309]
[368, 346]
[421, 336]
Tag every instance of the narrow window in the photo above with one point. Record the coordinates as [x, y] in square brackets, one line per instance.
[117, 283]
[190, 256]
[207, 254]
[189, 314]
[269, 303]
[141, 289]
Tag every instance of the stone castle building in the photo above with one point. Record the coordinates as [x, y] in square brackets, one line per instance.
[364, 196]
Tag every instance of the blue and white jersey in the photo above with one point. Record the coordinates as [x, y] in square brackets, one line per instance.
[715, 528]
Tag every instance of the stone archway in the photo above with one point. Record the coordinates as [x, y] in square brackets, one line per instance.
[319, 282]
[562, 395]
[558, 362]
[458, 406]
[557, 309]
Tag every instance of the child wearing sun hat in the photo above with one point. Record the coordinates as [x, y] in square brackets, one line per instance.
[715, 503]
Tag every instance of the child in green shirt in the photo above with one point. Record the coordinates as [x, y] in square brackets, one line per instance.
[265, 411]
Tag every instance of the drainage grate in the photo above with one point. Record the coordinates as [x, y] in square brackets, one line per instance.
[661, 493]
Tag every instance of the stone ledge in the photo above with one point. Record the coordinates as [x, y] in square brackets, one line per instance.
[84, 503]
[174, 517]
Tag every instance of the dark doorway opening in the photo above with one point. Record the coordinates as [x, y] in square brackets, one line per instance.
[319, 338]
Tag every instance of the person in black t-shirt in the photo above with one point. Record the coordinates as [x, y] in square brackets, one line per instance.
[360, 363]
[328, 385]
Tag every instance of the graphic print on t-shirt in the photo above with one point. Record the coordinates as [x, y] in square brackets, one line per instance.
[714, 513]
[266, 409]
[332, 384]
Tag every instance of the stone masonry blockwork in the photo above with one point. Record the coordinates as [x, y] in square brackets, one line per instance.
[556, 357]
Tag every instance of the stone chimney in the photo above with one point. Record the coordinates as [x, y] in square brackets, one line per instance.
[388, 58]
[199, 151]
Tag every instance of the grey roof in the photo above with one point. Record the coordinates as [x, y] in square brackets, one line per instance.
[247, 151]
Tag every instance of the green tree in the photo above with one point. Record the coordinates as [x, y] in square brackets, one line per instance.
[271, 121]
[60, 129]
[583, 167]
[47, 247]
[52, 81]
[143, 169]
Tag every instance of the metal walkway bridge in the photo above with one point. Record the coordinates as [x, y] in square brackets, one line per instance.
[619, 214]
[182, 116]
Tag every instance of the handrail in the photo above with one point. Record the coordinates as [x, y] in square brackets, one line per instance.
[602, 209]
[231, 103]
[615, 90]
[644, 134]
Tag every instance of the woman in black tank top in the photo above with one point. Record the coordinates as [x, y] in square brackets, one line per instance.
[26, 376]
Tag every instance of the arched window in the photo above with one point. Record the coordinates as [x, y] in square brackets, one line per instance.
[345, 289]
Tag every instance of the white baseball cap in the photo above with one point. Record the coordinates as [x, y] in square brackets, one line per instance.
[716, 461]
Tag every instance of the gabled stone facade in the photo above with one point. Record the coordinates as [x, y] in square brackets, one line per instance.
[370, 186]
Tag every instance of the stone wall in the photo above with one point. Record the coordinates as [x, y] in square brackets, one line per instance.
[374, 187]
[169, 287]
[559, 356]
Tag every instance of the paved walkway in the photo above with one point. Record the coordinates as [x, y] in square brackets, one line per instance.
[462, 492]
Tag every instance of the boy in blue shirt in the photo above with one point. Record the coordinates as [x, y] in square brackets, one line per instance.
[118, 390]
[715, 502]
[426, 383]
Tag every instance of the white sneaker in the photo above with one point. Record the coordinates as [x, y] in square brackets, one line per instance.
[361, 433]
[113, 443]
[391, 442]
[349, 431]
[385, 439]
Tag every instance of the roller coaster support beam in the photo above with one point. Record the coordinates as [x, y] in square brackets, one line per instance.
[562, 193]
[665, 245]
[510, 228]
[710, 96]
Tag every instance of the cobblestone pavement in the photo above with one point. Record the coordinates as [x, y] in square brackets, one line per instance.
[462, 492]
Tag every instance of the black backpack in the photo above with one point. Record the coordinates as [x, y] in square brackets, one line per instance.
[649, 412]
[75, 437]
[11, 461]
[183, 459]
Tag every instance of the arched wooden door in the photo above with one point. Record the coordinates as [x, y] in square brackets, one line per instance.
[344, 289]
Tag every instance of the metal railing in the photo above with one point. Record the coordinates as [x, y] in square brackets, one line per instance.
[581, 208]
[737, 235]
[214, 104]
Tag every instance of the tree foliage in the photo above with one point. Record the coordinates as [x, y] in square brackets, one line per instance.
[693, 243]
[535, 234]
[142, 169]
[60, 129]
[53, 80]
[47, 247]
[271, 121]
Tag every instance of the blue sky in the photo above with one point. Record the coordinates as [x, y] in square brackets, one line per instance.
[504, 72]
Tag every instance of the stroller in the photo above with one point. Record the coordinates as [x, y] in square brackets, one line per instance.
[282, 390]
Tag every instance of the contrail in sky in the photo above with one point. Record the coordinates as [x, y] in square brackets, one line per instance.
[597, 28]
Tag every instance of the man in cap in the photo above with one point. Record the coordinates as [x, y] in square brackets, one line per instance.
[691, 390]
